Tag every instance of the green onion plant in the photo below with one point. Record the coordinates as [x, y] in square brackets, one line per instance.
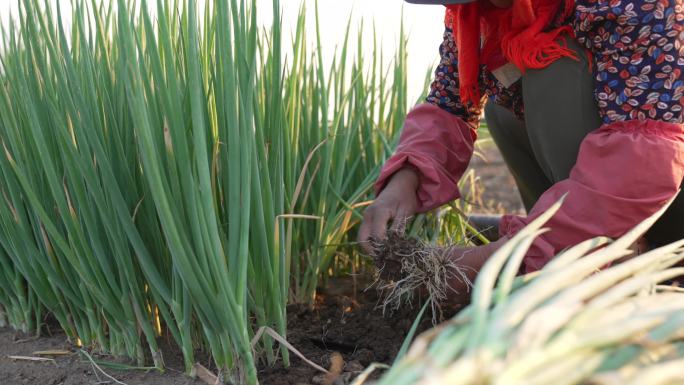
[181, 172]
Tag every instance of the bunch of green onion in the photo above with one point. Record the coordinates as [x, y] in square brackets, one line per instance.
[576, 321]
[180, 174]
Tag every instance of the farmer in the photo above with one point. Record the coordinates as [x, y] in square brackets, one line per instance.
[582, 97]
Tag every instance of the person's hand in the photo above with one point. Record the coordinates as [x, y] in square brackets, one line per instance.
[396, 203]
[469, 260]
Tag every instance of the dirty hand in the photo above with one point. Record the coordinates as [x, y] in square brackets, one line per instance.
[396, 203]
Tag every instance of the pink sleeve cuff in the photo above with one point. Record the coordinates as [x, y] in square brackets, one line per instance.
[625, 172]
[438, 145]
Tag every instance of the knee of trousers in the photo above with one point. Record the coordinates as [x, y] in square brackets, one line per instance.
[503, 124]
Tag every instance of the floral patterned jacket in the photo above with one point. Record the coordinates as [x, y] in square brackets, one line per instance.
[626, 170]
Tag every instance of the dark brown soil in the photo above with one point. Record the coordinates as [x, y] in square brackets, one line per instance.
[71, 369]
[342, 323]
[389, 254]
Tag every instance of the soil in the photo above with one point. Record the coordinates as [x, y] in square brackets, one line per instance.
[72, 369]
[349, 325]
[389, 254]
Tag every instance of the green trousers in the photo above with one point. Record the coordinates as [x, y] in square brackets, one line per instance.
[560, 110]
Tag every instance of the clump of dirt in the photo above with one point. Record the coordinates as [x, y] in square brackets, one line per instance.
[390, 253]
[408, 266]
[343, 329]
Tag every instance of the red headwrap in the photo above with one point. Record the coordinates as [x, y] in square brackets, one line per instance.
[492, 36]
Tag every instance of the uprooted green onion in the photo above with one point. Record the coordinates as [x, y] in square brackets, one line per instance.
[574, 322]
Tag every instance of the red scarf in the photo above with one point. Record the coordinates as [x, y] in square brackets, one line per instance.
[493, 36]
